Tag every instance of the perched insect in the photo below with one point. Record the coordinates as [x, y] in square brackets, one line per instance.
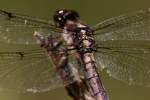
[122, 48]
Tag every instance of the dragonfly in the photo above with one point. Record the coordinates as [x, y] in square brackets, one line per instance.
[122, 42]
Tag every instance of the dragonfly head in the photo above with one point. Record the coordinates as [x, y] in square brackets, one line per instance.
[63, 17]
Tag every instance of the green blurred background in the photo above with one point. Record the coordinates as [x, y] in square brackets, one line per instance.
[92, 12]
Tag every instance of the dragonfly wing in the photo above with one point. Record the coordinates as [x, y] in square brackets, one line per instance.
[130, 65]
[27, 70]
[124, 44]
[19, 29]
[133, 26]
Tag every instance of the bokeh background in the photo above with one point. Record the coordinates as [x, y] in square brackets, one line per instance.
[92, 12]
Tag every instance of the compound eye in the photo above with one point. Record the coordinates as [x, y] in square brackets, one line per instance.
[71, 17]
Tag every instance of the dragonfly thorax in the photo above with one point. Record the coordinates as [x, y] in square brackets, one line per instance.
[81, 39]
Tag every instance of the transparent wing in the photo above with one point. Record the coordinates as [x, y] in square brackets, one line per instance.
[123, 45]
[24, 70]
[133, 26]
[128, 64]
[19, 29]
